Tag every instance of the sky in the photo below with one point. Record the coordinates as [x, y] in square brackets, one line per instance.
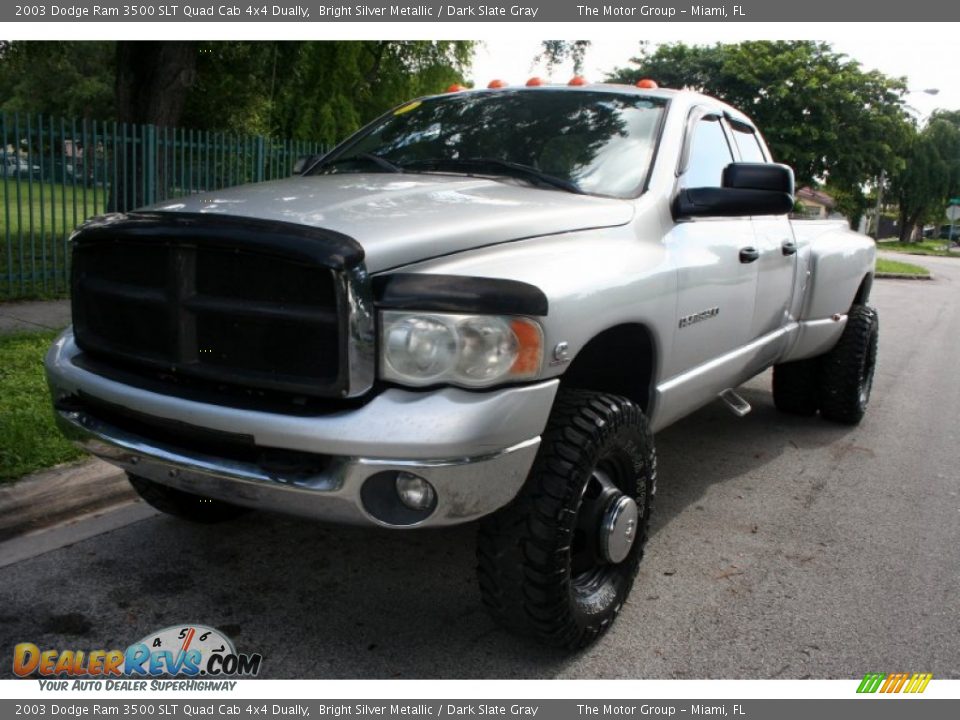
[928, 59]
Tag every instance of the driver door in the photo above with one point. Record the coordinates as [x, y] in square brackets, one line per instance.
[715, 260]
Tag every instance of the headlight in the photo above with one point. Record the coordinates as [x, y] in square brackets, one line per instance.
[466, 350]
[420, 347]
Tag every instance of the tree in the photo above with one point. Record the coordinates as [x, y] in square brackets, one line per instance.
[852, 203]
[554, 52]
[359, 81]
[930, 174]
[60, 79]
[319, 91]
[152, 80]
[820, 112]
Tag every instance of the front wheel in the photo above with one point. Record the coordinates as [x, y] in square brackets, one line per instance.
[558, 562]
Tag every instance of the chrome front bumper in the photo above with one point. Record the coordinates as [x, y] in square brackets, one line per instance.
[475, 449]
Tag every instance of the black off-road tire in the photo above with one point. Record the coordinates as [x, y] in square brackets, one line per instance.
[184, 505]
[535, 559]
[846, 372]
[796, 387]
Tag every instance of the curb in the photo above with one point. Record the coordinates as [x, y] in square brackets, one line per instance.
[902, 276]
[60, 493]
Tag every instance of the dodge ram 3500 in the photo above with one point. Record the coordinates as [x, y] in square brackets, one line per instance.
[481, 306]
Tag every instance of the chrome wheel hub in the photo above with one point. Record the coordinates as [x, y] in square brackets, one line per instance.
[618, 530]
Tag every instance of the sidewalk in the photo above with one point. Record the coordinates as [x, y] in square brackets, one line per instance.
[34, 315]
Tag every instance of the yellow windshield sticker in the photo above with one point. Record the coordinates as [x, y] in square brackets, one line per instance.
[407, 108]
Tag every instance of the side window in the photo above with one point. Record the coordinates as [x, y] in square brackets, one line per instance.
[749, 145]
[709, 155]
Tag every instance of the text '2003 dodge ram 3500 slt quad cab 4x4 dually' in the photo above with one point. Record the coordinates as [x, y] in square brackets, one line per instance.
[480, 306]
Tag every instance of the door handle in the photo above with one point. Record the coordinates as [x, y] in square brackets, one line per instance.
[789, 247]
[749, 254]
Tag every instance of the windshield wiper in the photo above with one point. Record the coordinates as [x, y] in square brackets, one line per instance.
[377, 160]
[497, 166]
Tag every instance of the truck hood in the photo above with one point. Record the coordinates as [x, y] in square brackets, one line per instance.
[400, 219]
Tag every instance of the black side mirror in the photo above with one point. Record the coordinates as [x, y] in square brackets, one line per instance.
[748, 189]
[759, 176]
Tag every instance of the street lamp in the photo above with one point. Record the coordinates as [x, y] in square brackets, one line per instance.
[926, 91]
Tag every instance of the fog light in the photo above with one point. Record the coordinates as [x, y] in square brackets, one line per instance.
[415, 492]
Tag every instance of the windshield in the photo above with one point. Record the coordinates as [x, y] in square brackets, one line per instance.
[594, 142]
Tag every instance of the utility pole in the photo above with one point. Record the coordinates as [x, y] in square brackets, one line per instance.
[876, 232]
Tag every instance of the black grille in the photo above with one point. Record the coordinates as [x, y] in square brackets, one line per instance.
[230, 300]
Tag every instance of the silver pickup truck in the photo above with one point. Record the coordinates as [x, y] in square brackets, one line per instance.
[481, 306]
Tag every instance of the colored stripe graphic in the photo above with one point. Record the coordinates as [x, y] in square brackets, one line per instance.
[918, 683]
[894, 682]
[898, 683]
[871, 683]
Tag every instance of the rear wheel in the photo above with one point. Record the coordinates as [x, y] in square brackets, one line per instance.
[184, 505]
[558, 562]
[846, 372]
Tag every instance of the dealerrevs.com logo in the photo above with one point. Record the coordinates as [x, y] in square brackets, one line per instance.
[179, 651]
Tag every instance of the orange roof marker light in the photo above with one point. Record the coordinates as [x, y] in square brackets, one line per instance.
[494, 84]
[534, 82]
[647, 84]
[456, 87]
[577, 81]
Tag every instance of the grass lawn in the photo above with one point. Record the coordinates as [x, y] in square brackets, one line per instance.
[885, 265]
[29, 440]
[924, 247]
[36, 218]
[62, 206]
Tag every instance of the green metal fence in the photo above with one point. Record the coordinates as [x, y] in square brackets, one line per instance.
[56, 173]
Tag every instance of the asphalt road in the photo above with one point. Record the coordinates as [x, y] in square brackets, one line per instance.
[782, 548]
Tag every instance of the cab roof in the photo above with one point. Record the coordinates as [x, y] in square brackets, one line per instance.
[685, 98]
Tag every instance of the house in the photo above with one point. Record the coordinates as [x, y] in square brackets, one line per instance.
[816, 204]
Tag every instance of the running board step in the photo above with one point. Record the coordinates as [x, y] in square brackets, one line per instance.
[738, 406]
